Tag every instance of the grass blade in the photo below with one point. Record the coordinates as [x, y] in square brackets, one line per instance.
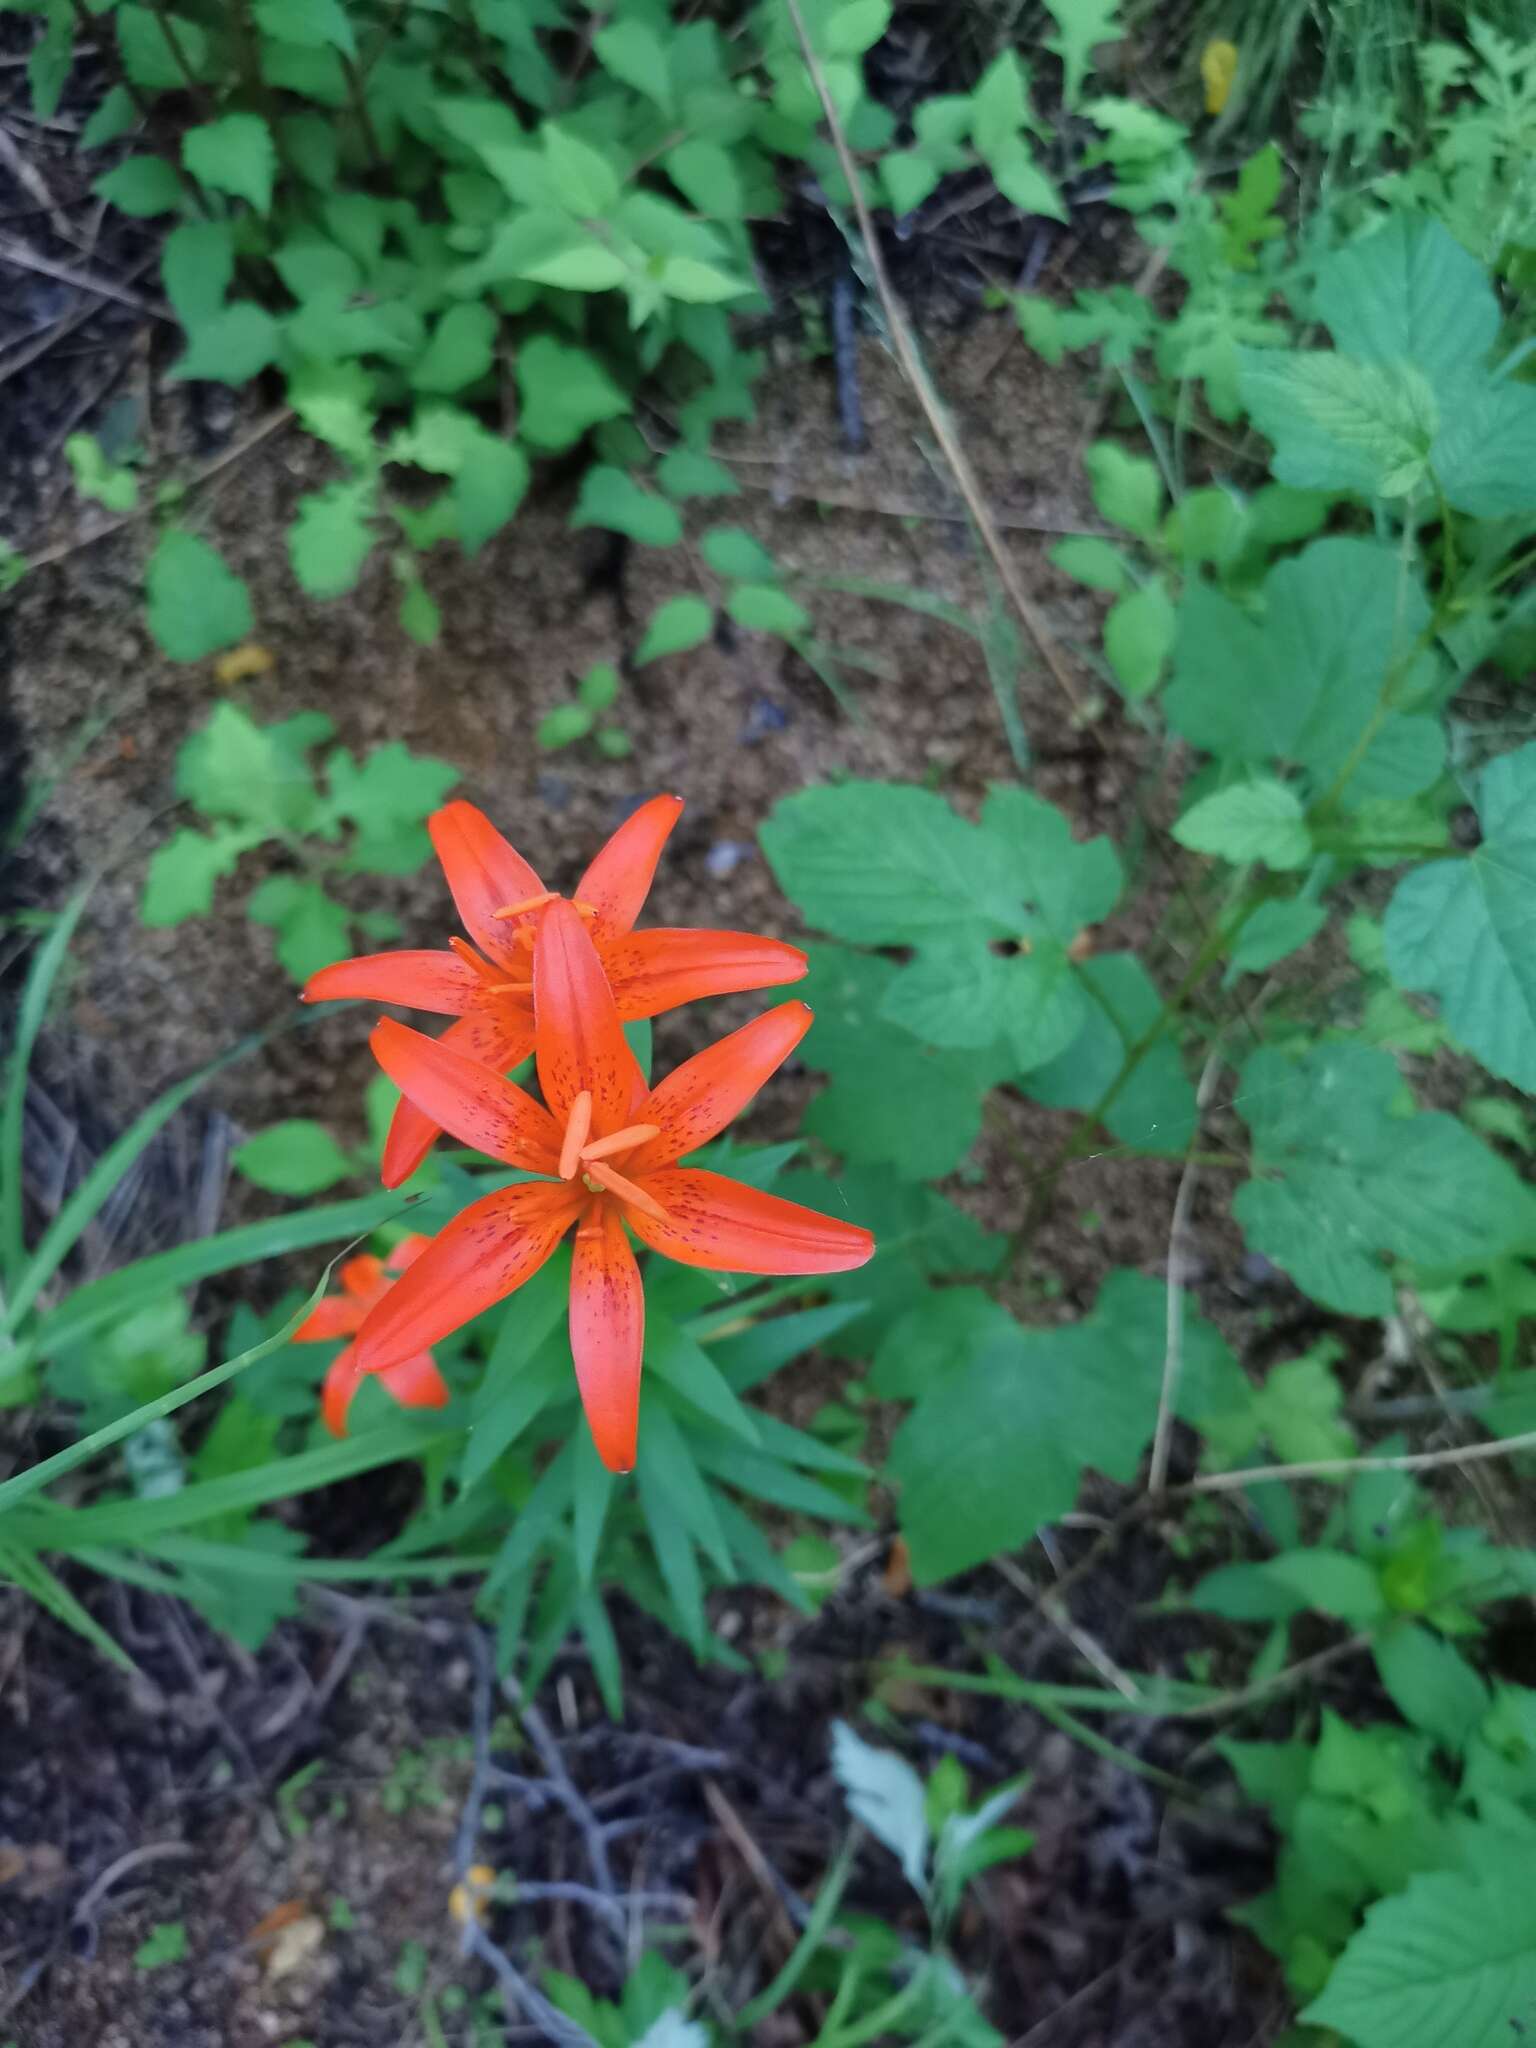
[34, 1006]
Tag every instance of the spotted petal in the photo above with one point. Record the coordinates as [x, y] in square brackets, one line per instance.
[478, 1259]
[729, 1228]
[698, 1099]
[477, 1105]
[580, 1042]
[618, 880]
[607, 1333]
[440, 982]
[414, 1383]
[484, 873]
[482, 1037]
[654, 971]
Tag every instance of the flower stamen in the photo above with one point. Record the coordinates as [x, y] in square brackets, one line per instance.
[470, 957]
[510, 988]
[615, 1184]
[635, 1134]
[578, 1127]
[528, 903]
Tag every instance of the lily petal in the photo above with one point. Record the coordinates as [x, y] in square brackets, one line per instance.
[406, 1252]
[487, 1251]
[607, 1333]
[482, 1037]
[699, 1098]
[483, 873]
[361, 1277]
[473, 1102]
[441, 982]
[337, 1316]
[729, 1228]
[619, 879]
[415, 1383]
[580, 1044]
[656, 970]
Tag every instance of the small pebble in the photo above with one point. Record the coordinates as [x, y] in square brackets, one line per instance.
[763, 717]
[726, 856]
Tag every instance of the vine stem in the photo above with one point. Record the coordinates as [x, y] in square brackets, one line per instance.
[913, 368]
[1173, 1347]
[1339, 1468]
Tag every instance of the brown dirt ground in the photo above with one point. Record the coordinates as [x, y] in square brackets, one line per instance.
[1118, 1895]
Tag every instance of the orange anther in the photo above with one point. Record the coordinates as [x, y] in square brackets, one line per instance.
[578, 1125]
[471, 958]
[636, 1134]
[626, 1190]
[528, 903]
[510, 988]
[583, 909]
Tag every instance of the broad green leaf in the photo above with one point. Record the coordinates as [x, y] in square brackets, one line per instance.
[182, 873]
[312, 929]
[708, 178]
[1345, 1184]
[296, 1157]
[764, 608]
[909, 178]
[1338, 424]
[1464, 930]
[1297, 1411]
[1409, 293]
[999, 107]
[460, 351]
[313, 23]
[879, 1071]
[143, 186]
[1484, 453]
[676, 625]
[1089, 560]
[331, 538]
[611, 498]
[850, 27]
[335, 402]
[155, 43]
[1262, 820]
[1155, 1110]
[1432, 1685]
[1313, 1581]
[1448, 1963]
[1275, 931]
[688, 473]
[115, 116]
[1000, 1443]
[1126, 488]
[233, 768]
[949, 1326]
[234, 154]
[1138, 637]
[562, 726]
[635, 52]
[564, 391]
[1341, 625]
[491, 483]
[1022, 182]
[231, 346]
[196, 266]
[195, 604]
[732, 551]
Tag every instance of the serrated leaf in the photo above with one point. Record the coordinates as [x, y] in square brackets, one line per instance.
[1262, 820]
[732, 551]
[611, 498]
[1304, 685]
[909, 177]
[1338, 424]
[312, 932]
[196, 265]
[999, 1445]
[182, 874]
[155, 44]
[1154, 1111]
[143, 186]
[460, 351]
[1126, 488]
[1448, 1963]
[564, 391]
[635, 52]
[1275, 931]
[195, 604]
[230, 346]
[296, 1157]
[1096, 563]
[680, 623]
[331, 538]
[1464, 930]
[234, 154]
[312, 23]
[1430, 1683]
[688, 473]
[1346, 1184]
[1409, 293]
[1080, 25]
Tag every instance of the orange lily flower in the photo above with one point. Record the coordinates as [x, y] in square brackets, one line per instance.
[414, 1382]
[501, 901]
[610, 1147]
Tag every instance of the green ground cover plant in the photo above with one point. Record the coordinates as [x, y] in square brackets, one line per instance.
[1316, 488]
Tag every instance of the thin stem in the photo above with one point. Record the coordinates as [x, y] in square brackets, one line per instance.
[1173, 1345]
[1338, 1468]
[913, 369]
